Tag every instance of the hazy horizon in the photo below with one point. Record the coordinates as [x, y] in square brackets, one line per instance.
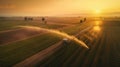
[59, 8]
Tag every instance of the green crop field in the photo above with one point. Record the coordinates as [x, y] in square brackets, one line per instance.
[104, 50]
[102, 39]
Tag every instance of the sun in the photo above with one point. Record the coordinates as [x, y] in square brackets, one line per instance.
[97, 11]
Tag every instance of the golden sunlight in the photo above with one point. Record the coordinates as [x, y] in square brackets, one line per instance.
[97, 23]
[96, 28]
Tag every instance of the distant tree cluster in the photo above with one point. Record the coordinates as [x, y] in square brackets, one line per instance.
[28, 18]
[83, 20]
[2, 18]
[44, 20]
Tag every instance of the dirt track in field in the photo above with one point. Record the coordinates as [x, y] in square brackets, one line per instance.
[31, 61]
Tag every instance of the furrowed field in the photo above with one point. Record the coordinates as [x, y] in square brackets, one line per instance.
[27, 44]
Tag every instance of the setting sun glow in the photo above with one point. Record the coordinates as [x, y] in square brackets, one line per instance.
[59, 8]
[97, 11]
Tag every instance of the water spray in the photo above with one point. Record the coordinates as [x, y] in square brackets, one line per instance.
[59, 33]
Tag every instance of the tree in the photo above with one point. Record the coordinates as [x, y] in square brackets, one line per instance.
[81, 21]
[44, 21]
[84, 19]
[25, 18]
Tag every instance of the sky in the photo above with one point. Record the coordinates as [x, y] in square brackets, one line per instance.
[59, 7]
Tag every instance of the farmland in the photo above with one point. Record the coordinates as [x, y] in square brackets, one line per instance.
[102, 39]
